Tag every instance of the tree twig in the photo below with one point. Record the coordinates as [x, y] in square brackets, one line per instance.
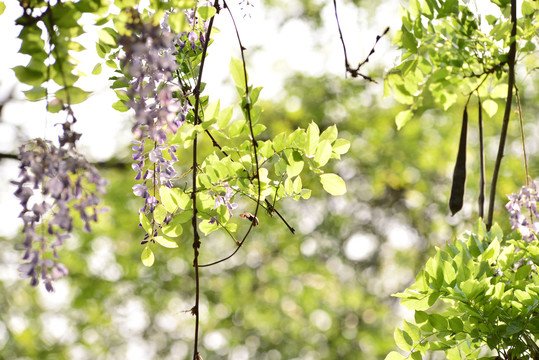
[253, 140]
[354, 72]
[196, 236]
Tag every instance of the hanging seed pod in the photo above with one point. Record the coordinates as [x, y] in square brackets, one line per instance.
[481, 199]
[459, 174]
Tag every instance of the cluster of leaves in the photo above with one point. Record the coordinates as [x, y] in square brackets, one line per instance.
[269, 173]
[447, 51]
[51, 59]
[482, 292]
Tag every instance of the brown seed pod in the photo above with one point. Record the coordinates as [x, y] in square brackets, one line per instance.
[456, 199]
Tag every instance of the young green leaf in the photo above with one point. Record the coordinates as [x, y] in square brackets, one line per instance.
[72, 95]
[333, 184]
[159, 214]
[236, 70]
[174, 228]
[167, 199]
[36, 93]
[394, 356]
[147, 257]
[402, 118]
[145, 223]
[323, 153]
[206, 12]
[97, 69]
[490, 107]
[165, 242]
[313, 135]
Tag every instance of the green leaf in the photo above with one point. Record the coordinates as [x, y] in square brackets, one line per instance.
[279, 142]
[403, 340]
[394, 356]
[167, 199]
[2, 7]
[402, 118]
[120, 106]
[208, 228]
[341, 146]
[313, 134]
[527, 8]
[297, 185]
[147, 257]
[182, 199]
[72, 95]
[333, 184]
[295, 164]
[329, 134]
[236, 70]
[490, 107]
[97, 69]
[323, 153]
[177, 22]
[159, 214]
[165, 242]
[206, 12]
[29, 76]
[438, 322]
[175, 228]
[224, 117]
[36, 93]
[108, 36]
[145, 223]
[456, 324]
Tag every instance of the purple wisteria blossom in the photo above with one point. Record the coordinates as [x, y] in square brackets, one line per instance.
[52, 181]
[225, 199]
[150, 63]
[523, 209]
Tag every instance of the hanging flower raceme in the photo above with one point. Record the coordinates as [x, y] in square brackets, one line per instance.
[523, 209]
[51, 181]
[149, 64]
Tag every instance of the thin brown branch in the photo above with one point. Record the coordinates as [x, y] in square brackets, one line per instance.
[253, 140]
[507, 114]
[354, 72]
[196, 236]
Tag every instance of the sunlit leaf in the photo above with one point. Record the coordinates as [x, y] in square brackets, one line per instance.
[333, 184]
[206, 12]
[165, 242]
[147, 257]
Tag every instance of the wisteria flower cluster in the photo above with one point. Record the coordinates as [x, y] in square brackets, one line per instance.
[523, 209]
[159, 171]
[51, 181]
[225, 201]
[150, 62]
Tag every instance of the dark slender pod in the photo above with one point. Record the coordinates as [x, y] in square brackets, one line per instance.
[456, 199]
[481, 198]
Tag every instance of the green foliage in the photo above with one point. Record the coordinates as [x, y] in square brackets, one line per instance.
[448, 52]
[482, 295]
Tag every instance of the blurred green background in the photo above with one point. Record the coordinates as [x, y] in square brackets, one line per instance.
[322, 293]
